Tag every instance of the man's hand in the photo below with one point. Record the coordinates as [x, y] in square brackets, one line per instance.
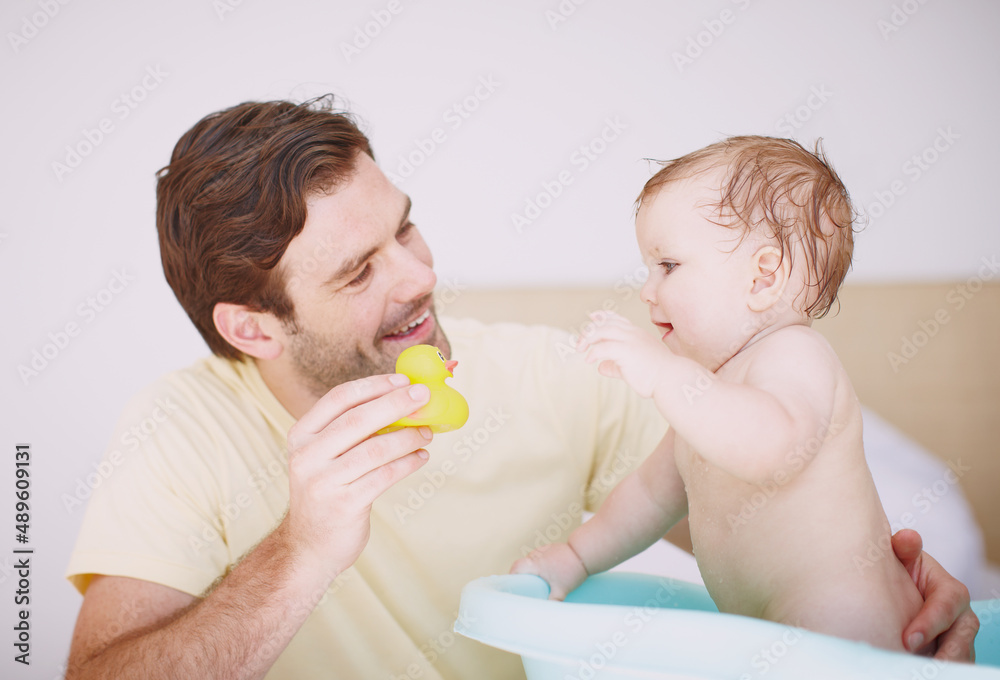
[945, 626]
[337, 468]
[558, 564]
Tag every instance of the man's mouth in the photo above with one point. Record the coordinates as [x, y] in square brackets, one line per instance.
[410, 328]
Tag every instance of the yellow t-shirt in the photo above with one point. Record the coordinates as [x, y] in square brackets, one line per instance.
[205, 479]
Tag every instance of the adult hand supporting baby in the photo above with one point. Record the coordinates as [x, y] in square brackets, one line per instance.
[945, 620]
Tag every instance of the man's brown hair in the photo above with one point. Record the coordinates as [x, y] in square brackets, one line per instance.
[234, 196]
[777, 183]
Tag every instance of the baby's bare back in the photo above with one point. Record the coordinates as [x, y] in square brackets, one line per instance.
[809, 543]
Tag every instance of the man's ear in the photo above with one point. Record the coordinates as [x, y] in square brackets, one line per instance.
[250, 332]
[770, 272]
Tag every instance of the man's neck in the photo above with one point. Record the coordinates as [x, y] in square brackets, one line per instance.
[290, 393]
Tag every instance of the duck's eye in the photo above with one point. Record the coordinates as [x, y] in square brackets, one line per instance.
[440, 356]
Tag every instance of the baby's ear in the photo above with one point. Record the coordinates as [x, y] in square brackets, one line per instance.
[769, 271]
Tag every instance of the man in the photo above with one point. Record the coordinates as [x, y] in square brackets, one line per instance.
[215, 551]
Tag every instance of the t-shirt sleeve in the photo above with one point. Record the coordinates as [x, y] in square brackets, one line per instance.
[622, 429]
[628, 429]
[151, 517]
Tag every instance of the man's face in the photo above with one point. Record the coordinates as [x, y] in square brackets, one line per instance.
[360, 277]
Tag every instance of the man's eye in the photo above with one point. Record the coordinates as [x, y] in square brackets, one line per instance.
[362, 277]
[405, 230]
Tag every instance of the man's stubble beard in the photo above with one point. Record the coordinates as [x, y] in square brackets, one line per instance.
[322, 363]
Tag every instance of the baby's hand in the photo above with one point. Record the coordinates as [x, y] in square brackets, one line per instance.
[625, 351]
[558, 564]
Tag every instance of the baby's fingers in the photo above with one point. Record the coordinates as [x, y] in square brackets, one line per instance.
[601, 321]
[605, 320]
[602, 317]
[610, 349]
[607, 335]
[530, 565]
[525, 565]
[609, 369]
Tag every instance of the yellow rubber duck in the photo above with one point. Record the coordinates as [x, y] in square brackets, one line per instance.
[447, 410]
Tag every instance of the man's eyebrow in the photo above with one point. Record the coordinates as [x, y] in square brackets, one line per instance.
[355, 262]
[406, 213]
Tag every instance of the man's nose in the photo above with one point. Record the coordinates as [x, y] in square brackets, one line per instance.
[415, 278]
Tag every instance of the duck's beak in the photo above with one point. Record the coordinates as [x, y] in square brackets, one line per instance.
[450, 366]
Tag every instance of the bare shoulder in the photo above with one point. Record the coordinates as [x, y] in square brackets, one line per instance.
[116, 607]
[798, 366]
[802, 338]
[796, 348]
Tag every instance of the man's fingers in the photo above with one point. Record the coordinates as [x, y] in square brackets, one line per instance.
[378, 451]
[309, 454]
[943, 605]
[343, 398]
[907, 545]
[957, 643]
[362, 421]
[945, 623]
[946, 602]
[372, 485]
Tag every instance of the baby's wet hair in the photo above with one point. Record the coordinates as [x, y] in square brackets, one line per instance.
[792, 193]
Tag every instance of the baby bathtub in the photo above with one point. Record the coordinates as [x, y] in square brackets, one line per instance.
[623, 625]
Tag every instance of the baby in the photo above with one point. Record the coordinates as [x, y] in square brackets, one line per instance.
[747, 241]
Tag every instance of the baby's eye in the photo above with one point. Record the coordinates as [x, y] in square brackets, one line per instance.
[668, 266]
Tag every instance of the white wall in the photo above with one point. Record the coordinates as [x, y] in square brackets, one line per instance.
[888, 91]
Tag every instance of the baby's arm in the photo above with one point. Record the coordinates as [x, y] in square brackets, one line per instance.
[748, 429]
[637, 513]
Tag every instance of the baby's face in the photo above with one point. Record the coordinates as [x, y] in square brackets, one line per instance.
[699, 279]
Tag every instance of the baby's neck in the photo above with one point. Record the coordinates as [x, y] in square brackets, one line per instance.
[767, 324]
[798, 320]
